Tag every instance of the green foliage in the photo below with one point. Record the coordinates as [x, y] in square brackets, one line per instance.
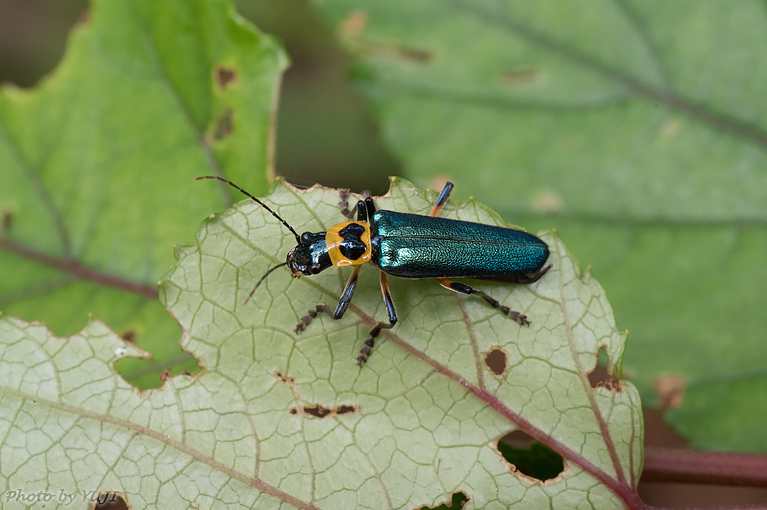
[634, 128]
[97, 163]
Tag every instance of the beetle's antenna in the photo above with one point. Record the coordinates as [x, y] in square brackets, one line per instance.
[261, 280]
[230, 183]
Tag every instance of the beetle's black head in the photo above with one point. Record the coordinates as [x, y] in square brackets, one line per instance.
[310, 256]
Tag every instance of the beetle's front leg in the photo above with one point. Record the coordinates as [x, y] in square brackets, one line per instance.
[462, 288]
[343, 303]
[390, 310]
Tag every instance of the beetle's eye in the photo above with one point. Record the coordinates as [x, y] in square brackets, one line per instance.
[315, 268]
[306, 236]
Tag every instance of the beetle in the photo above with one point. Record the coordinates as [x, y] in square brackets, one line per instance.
[411, 246]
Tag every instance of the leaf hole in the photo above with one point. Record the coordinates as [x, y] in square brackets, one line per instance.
[225, 76]
[108, 500]
[527, 457]
[224, 125]
[144, 374]
[497, 360]
[320, 411]
[599, 377]
[457, 501]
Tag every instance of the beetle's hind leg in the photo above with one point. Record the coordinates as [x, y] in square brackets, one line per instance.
[442, 199]
[462, 288]
[343, 303]
[390, 310]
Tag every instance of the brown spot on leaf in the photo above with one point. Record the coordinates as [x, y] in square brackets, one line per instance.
[186, 372]
[519, 76]
[354, 24]
[223, 126]
[284, 378]
[165, 375]
[320, 411]
[546, 201]
[528, 459]
[457, 501]
[670, 390]
[497, 360]
[5, 223]
[317, 411]
[225, 76]
[416, 55]
[129, 335]
[108, 500]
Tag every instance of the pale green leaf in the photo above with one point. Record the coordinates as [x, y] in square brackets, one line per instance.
[423, 416]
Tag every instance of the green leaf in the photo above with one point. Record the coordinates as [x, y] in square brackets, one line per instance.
[421, 420]
[634, 128]
[97, 162]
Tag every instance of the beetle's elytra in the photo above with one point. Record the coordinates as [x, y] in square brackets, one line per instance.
[411, 246]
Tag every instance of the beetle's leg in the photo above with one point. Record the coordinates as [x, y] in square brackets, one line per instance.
[362, 211]
[535, 276]
[370, 207]
[390, 310]
[343, 194]
[462, 288]
[343, 303]
[442, 199]
[362, 214]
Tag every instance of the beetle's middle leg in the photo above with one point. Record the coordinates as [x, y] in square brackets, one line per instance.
[343, 303]
[390, 310]
[462, 288]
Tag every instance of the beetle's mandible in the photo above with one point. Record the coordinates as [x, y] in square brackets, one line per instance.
[411, 246]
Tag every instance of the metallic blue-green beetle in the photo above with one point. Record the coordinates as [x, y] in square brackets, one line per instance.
[412, 246]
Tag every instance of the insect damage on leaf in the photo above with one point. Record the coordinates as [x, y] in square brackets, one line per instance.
[496, 360]
[320, 411]
[426, 402]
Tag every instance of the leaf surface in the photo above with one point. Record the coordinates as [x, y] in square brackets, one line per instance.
[425, 408]
[634, 128]
[97, 162]
[279, 420]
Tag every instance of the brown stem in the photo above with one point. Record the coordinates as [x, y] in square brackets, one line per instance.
[78, 270]
[723, 468]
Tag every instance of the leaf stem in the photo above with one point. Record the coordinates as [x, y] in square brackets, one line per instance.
[722, 468]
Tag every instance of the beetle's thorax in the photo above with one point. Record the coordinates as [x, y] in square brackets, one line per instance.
[348, 243]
